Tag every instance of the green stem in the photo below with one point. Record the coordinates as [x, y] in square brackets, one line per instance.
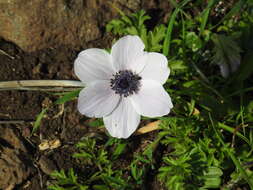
[232, 130]
[240, 91]
[232, 156]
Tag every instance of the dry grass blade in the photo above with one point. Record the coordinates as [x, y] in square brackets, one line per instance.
[148, 128]
[50, 85]
[6, 54]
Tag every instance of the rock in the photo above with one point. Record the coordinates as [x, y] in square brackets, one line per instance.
[10, 139]
[34, 25]
[15, 167]
[12, 170]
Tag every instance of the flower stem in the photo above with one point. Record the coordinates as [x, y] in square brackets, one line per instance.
[232, 156]
[41, 85]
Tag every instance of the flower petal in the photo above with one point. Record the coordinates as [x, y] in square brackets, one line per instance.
[97, 99]
[126, 50]
[156, 68]
[93, 64]
[123, 121]
[152, 100]
[139, 63]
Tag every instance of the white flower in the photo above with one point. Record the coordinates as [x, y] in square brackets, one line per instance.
[122, 85]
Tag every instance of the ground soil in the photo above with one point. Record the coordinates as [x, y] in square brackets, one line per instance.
[23, 106]
[19, 150]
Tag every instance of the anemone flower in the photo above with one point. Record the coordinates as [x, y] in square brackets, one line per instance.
[122, 85]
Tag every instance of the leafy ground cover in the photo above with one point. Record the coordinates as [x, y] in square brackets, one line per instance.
[206, 142]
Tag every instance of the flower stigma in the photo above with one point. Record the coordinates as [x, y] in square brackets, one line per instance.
[125, 83]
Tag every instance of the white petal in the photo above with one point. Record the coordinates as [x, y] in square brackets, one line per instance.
[126, 50]
[93, 64]
[138, 64]
[123, 121]
[97, 99]
[152, 100]
[156, 68]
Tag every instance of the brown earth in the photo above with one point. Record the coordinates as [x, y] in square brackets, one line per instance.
[22, 164]
[35, 25]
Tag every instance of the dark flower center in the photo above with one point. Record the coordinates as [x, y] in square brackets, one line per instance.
[125, 83]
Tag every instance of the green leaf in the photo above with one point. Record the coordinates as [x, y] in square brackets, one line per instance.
[83, 155]
[205, 15]
[212, 183]
[100, 187]
[155, 38]
[227, 54]
[136, 173]
[232, 156]
[233, 131]
[38, 120]
[132, 30]
[56, 174]
[56, 187]
[177, 65]
[246, 68]
[132, 24]
[67, 97]
[119, 150]
[167, 41]
[193, 41]
[83, 187]
[72, 175]
[96, 123]
[214, 171]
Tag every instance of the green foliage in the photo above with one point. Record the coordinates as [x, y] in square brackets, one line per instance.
[119, 149]
[68, 96]
[66, 181]
[205, 14]
[134, 25]
[207, 140]
[101, 174]
[198, 159]
[155, 37]
[90, 154]
[141, 164]
[38, 120]
[246, 68]
[193, 161]
[192, 41]
[227, 54]
[96, 123]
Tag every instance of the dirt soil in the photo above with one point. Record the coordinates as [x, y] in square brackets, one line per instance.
[22, 164]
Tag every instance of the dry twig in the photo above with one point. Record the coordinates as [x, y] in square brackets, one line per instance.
[41, 85]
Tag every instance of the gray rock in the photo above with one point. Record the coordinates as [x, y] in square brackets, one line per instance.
[15, 166]
[38, 24]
